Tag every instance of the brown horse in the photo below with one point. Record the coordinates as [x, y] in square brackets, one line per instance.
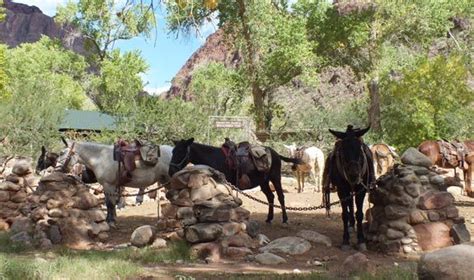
[432, 150]
[384, 158]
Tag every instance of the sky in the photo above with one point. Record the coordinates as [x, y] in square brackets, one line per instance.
[165, 56]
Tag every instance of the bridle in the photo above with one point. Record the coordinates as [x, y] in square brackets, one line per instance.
[185, 160]
[68, 157]
[341, 167]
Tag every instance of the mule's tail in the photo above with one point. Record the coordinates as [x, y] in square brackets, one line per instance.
[292, 160]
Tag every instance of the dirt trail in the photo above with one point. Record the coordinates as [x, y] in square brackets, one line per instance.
[332, 257]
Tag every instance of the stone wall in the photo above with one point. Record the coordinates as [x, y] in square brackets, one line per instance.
[412, 211]
[204, 212]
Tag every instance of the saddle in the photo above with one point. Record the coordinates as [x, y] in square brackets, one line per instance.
[244, 158]
[128, 153]
[453, 152]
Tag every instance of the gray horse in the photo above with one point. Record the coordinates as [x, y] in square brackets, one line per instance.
[99, 158]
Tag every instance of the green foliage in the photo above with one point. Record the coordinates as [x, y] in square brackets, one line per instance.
[431, 101]
[43, 80]
[119, 83]
[104, 22]
[3, 74]
[217, 90]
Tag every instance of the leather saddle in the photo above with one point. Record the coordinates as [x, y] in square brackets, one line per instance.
[245, 158]
[452, 152]
[128, 153]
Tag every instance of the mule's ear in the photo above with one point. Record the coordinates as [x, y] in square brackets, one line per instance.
[340, 135]
[189, 141]
[64, 141]
[43, 150]
[361, 132]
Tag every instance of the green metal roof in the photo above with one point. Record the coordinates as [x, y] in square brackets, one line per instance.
[87, 120]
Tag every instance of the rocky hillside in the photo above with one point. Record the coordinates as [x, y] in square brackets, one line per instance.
[27, 24]
[216, 49]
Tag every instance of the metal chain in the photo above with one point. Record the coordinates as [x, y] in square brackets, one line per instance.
[303, 208]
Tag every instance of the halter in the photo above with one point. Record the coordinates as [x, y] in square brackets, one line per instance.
[184, 160]
[68, 157]
[340, 165]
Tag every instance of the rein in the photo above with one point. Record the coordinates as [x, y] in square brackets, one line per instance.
[183, 161]
[68, 157]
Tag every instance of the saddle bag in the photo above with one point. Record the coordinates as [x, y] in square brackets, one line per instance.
[261, 158]
[150, 154]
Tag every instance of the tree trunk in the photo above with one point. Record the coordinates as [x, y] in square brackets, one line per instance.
[374, 109]
[251, 57]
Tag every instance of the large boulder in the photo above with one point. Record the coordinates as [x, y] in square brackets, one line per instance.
[22, 167]
[143, 235]
[433, 235]
[414, 157]
[315, 237]
[454, 262]
[289, 245]
[269, 259]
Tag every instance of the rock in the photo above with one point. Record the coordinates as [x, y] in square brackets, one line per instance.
[19, 197]
[185, 213]
[253, 228]
[421, 171]
[97, 228]
[394, 234]
[54, 234]
[263, 239]
[22, 168]
[4, 226]
[357, 263]
[407, 249]
[437, 180]
[4, 196]
[417, 217]
[96, 215]
[394, 212]
[169, 210]
[159, 243]
[288, 245]
[39, 213]
[452, 212]
[9, 186]
[433, 235]
[85, 200]
[56, 213]
[231, 228]
[414, 157]
[143, 235]
[447, 264]
[239, 240]
[22, 224]
[269, 259]
[22, 237]
[239, 214]
[433, 216]
[203, 192]
[454, 190]
[406, 240]
[237, 252]
[315, 237]
[53, 203]
[210, 251]
[103, 236]
[45, 244]
[435, 200]
[460, 234]
[413, 189]
[203, 232]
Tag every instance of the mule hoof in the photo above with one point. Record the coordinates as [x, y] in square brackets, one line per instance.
[362, 247]
[346, 247]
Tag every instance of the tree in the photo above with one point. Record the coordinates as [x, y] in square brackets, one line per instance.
[44, 79]
[273, 43]
[118, 83]
[104, 22]
[431, 101]
[3, 76]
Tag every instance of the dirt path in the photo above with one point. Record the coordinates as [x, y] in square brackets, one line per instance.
[332, 257]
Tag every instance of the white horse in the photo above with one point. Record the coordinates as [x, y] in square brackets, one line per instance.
[312, 159]
[99, 158]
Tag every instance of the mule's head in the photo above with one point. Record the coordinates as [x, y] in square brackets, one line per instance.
[46, 159]
[351, 158]
[181, 155]
[291, 149]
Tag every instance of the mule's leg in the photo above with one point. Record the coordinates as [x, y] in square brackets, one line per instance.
[350, 205]
[139, 198]
[345, 220]
[298, 179]
[316, 180]
[359, 199]
[111, 199]
[281, 198]
[302, 175]
[271, 200]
